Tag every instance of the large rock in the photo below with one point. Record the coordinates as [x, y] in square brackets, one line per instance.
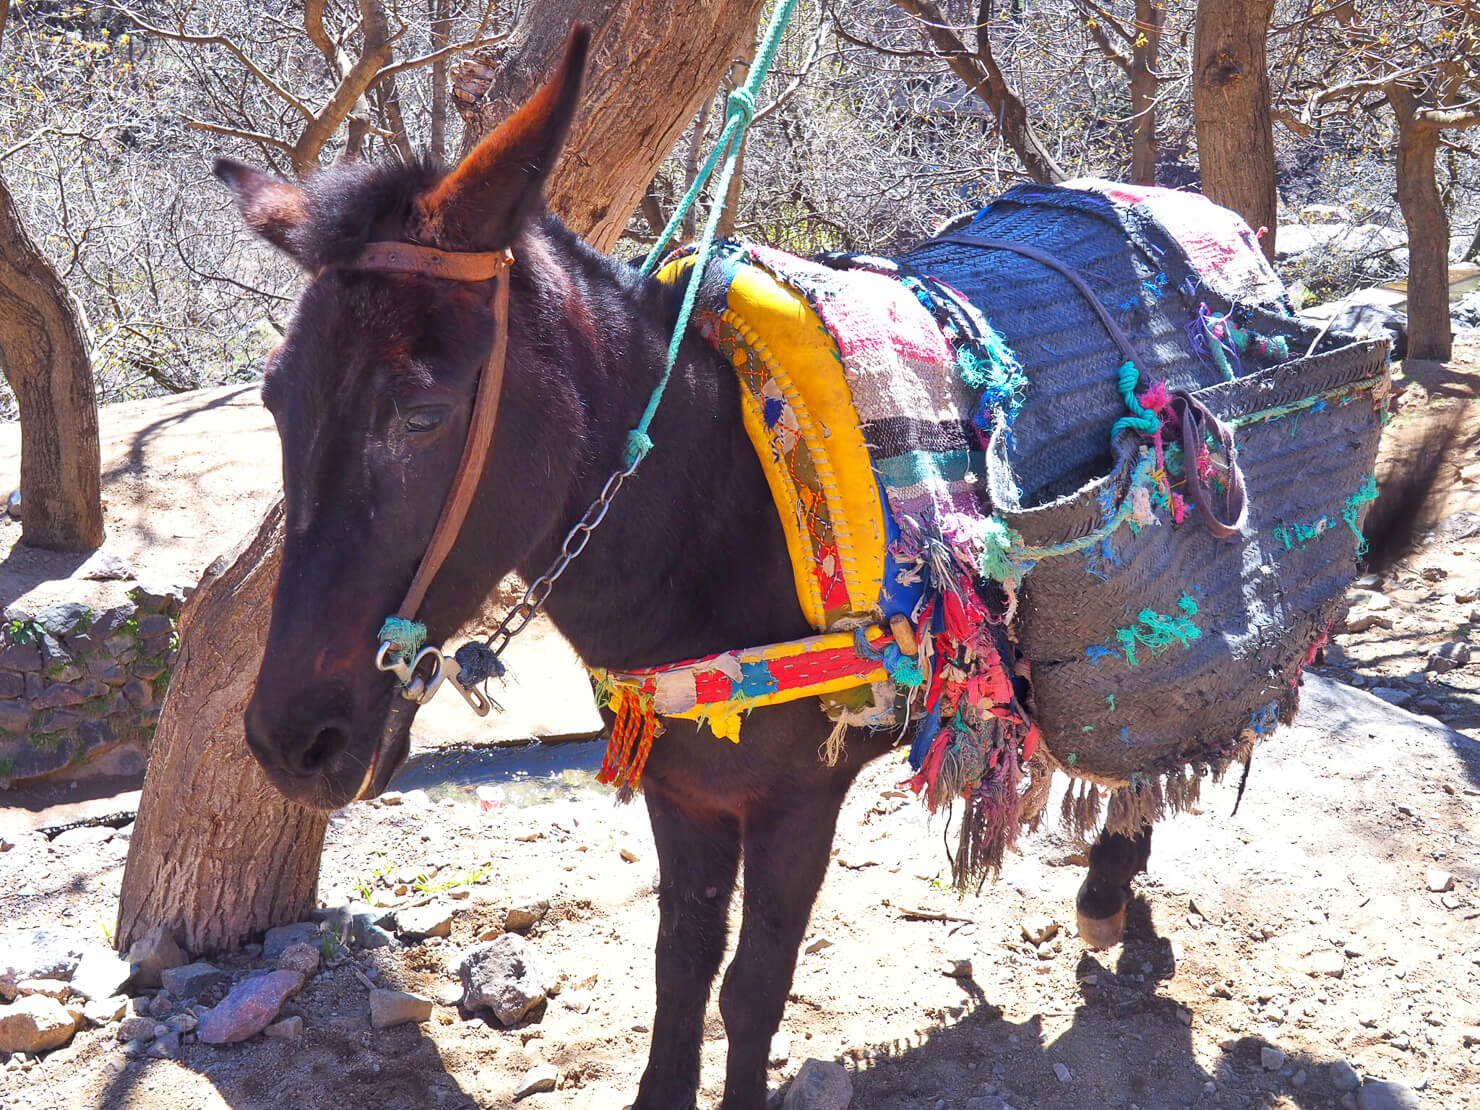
[1381, 1094]
[249, 1008]
[506, 976]
[819, 1085]
[151, 954]
[389, 1008]
[35, 1024]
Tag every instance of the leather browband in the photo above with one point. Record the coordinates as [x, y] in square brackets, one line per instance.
[409, 258]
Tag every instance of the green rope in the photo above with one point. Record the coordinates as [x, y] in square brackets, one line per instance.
[405, 637]
[739, 111]
[1142, 419]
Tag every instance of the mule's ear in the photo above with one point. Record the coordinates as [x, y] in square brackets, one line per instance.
[271, 207]
[483, 202]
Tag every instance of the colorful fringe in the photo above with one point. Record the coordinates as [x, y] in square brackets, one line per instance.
[631, 738]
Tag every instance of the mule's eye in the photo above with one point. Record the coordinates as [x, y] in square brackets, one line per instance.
[425, 419]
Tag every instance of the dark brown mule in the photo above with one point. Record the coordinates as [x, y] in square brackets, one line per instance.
[371, 392]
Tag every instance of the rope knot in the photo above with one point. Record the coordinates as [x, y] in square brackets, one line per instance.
[477, 662]
[741, 103]
[405, 637]
[639, 443]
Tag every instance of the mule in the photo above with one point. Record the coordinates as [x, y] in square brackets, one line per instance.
[372, 390]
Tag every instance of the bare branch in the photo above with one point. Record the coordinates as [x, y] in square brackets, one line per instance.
[239, 133]
[227, 44]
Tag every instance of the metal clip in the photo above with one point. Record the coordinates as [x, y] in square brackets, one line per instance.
[420, 690]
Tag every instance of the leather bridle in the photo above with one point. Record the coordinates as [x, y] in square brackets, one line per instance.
[410, 258]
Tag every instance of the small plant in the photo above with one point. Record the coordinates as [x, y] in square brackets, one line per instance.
[7, 765]
[424, 885]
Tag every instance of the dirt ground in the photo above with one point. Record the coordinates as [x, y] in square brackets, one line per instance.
[1303, 923]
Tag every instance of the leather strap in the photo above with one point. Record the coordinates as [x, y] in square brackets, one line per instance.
[410, 258]
[1196, 418]
[1074, 277]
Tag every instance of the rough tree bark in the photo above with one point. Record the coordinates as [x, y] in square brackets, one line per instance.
[45, 358]
[1230, 93]
[653, 62]
[1429, 334]
[217, 854]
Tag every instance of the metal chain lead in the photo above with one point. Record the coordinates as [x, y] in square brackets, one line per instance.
[517, 619]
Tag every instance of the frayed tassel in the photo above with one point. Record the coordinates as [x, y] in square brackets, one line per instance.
[990, 824]
[832, 748]
[631, 741]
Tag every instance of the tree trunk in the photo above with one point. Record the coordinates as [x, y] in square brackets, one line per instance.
[987, 82]
[441, 13]
[1429, 333]
[1230, 92]
[653, 62]
[1144, 83]
[217, 853]
[45, 358]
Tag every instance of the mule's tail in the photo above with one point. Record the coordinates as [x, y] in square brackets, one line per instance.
[1409, 487]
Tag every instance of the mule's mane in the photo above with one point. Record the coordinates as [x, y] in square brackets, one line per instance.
[350, 205]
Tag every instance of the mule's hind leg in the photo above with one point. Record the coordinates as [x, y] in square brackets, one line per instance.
[787, 846]
[697, 862]
[1113, 861]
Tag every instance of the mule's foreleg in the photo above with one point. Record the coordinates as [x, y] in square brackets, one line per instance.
[787, 847]
[697, 863]
[1114, 860]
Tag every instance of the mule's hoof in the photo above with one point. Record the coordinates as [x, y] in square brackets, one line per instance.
[1102, 932]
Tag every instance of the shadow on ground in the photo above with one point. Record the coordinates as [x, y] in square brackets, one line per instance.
[1127, 1045]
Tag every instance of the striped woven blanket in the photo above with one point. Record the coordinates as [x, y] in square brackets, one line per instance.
[860, 392]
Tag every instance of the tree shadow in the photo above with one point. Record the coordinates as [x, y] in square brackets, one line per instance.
[1128, 1045]
[25, 567]
[175, 412]
[1439, 379]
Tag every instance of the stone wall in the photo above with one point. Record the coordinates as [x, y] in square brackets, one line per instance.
[75, 681]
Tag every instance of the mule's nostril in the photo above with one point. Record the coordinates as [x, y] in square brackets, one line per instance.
[327, 743]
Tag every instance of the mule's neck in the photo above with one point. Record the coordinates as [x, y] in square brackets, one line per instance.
[691, 558]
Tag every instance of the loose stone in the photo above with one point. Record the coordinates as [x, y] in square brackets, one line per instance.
[192, 980]
[35, 1024]
[819, 1085]
[541, 1077]
[289, 1029]
[249, 1008]
[506, 976]
[150, 955]
[388, 1008]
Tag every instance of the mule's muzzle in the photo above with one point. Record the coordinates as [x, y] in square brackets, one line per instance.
[328, 758]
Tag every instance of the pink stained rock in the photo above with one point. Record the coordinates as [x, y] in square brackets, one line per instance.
[249, 1008]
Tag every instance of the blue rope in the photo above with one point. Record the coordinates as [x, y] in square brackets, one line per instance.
[739, 111]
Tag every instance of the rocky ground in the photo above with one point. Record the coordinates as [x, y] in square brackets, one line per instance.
[1318, 949]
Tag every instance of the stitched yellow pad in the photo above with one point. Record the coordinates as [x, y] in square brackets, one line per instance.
[774, 331]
